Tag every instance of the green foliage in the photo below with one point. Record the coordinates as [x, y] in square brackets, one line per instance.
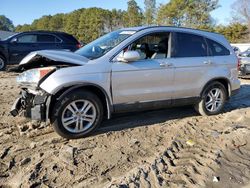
[84, 24]
[56, 22]
[172, 13]
[25, 27]
[150, 11]
[187, 13]
[71, 22]
[234, 32]
[133, 16]
[89, 24]
[6, 24]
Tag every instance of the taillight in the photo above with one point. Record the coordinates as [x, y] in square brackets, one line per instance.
[238, 66]
[78, 45]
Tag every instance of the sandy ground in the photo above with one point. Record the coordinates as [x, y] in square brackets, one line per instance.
[148, 149]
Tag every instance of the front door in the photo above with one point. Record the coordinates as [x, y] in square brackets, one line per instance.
[147, 82]
[21, 46]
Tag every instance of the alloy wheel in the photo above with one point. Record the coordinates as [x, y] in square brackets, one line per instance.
[79, 116]
[214, 100]
[1, 63]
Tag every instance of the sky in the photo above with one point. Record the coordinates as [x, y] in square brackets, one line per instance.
[25, 11]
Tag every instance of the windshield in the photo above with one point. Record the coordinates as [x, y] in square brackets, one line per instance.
[6, 38]
[104, 44]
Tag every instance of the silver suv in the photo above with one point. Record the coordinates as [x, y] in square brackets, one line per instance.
[127, 70]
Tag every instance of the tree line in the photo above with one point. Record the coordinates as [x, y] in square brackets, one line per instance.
[87, 24]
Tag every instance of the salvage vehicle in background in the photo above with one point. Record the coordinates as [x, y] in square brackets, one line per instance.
[236, 50]
[244, 65]
[16, 47]
[127, 70]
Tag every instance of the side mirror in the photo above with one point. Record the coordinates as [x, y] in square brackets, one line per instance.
[129, 56]
[13, 41]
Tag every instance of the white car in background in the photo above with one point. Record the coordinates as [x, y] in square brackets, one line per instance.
[244, 64]
[236, 50]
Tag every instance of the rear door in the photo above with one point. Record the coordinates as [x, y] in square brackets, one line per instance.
[22, 45]
[189, 56]
[220, 55]
[48, 42]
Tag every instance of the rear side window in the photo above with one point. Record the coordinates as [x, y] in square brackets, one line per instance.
[188, 45]
[217, 49]
[47, 38]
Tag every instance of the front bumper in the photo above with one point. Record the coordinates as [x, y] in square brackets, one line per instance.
[33, 106]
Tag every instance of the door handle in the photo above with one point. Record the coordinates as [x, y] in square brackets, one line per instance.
[209, 62]
[169, 64]
[163, 64]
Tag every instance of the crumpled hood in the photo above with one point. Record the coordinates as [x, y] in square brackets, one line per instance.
[56, 55]
[46, 58]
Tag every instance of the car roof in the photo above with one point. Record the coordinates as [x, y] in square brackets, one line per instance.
[44, 31]
[140, 28]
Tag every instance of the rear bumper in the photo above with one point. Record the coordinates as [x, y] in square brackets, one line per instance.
[32, 106]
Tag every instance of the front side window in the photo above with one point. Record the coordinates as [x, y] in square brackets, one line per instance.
[217, 49]
[27, 39]
[152, 46]
[188, 45]
[104, 44]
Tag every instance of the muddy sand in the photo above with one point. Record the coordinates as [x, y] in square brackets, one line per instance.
[166, 148]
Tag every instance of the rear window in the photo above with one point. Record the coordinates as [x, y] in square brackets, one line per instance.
[217, 49]
[188, 45]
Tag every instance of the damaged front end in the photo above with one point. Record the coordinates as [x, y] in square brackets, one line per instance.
[33, 106]
[37, 67]
[32, 101]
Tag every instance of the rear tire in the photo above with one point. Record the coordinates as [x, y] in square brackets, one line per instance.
[2, 63]
[213, 99]
[77, 114]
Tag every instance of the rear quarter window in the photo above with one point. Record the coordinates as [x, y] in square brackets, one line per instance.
[217, 49]
[70, 39]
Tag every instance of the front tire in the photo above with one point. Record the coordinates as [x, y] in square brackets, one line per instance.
[2, 63]
[213, 99]
[77, 114]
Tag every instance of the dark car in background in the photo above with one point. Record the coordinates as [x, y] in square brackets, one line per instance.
[16, 47]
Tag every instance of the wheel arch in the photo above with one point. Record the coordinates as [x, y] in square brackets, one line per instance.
[5, 60]
[2, 54]
[224, 81]
[99, 91]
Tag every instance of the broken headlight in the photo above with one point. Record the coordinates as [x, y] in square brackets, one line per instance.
[33, 76]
